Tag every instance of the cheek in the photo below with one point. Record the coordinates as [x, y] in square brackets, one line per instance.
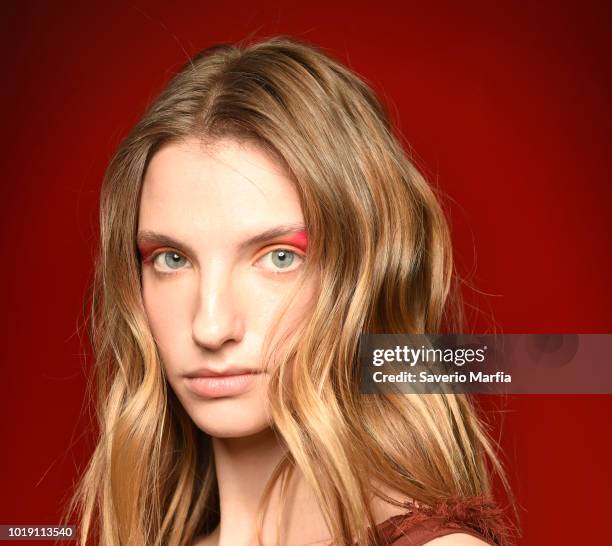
[261, 303]
[167, 305]
[297, 313]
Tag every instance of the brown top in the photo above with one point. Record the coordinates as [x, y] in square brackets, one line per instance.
[476, 516]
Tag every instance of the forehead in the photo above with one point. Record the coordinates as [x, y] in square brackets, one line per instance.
[190, 187]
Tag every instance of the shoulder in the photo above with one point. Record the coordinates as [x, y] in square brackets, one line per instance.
[432, 532]
[448, 522]
[457, 539]
[454, 539]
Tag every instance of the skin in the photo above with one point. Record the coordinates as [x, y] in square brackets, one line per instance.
[210, 301]
[214, 309]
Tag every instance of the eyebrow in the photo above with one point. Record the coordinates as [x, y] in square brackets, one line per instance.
[146, 237]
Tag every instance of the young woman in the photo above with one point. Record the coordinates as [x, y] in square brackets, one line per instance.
[259, 217]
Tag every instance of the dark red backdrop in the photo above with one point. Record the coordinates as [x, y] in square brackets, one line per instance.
[507, 106]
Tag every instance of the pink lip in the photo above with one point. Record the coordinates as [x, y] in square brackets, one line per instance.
[222, 385]
[215, 384]
[231, 370]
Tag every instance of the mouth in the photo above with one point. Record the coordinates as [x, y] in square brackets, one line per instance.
[207, 383]
[226, 372]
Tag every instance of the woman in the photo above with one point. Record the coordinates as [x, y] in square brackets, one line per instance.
[258, 218]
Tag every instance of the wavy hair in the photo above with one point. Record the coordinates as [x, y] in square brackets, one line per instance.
[378, 239]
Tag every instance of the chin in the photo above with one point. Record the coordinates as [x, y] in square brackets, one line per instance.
[229, 417]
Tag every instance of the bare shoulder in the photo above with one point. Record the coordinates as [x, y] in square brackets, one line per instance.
[457, 539]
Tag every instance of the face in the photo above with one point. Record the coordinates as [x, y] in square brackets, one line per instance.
[222, 241]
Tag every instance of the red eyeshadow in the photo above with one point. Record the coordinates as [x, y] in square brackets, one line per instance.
[146, 249]
[299, 239]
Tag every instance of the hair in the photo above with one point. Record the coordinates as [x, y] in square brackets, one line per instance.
[379, 240]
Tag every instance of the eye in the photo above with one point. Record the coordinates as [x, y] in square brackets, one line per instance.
[169, 260]
[281, 260]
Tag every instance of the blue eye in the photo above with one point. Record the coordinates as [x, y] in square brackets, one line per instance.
[281, 260]
[171, 260]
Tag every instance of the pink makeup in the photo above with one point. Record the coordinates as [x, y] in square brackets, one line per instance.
[146, 250]
[151, 242]
[299, 240]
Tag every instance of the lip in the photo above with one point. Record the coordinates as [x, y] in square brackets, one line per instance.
[231, 370]
[216, 384]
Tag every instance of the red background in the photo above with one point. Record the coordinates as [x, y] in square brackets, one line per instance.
[507, 107]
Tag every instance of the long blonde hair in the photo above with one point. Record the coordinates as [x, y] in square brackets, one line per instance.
[380, 243]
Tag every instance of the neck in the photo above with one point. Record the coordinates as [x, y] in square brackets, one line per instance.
[243, 467]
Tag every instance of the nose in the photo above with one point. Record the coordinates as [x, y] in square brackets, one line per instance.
[218, 317]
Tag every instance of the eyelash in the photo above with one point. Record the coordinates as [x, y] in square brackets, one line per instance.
[153, 257]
